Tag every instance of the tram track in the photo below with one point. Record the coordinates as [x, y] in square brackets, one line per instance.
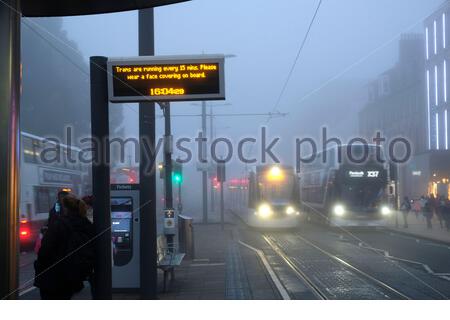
[296, 270]
[379, 288]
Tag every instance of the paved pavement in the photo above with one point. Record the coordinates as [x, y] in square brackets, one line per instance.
[417, 226]
[221, 269]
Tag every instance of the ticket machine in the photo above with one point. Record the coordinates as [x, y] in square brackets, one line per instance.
[125, 228]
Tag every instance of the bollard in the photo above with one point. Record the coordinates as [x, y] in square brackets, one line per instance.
[186, 236]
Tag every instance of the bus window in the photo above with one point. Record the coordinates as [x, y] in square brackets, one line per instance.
[29, 154]
[44, 198]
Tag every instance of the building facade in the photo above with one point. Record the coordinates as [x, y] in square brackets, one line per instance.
[410, 101]
[396, 99]
[437, 53]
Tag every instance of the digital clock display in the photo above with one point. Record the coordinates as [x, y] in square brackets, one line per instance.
[161, 79]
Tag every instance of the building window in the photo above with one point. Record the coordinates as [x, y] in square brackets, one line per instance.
[435, 37]
[446, 129]
[426, 44]
[45, 198]
[445, 80]
[444, 25]
[384, 85]
[437, 130]
[30, 150]
[371, 93]
[436, 91]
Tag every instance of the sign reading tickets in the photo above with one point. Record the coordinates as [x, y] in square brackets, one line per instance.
[166, 78]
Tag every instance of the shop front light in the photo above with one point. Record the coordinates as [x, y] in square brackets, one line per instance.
[385, 210]
[264, 211]
[339, 210]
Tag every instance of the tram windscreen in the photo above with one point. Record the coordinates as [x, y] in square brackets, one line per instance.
[363, 187]
[276, 185]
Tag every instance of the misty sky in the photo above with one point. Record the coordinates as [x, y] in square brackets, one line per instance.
[265, 37]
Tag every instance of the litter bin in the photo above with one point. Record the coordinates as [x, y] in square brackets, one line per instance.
[186, 236]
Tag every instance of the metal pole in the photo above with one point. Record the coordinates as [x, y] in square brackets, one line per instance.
[222, 218]
[147, 178]
[396, 195]
[211, 130]
[168, 164]
[100, 179]
[9, 146]
[180, 203]
[204, 171]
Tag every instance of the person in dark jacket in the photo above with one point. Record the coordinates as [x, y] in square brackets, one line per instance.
[428, 213]
[446, 214]
[66, 256]
[405, 208]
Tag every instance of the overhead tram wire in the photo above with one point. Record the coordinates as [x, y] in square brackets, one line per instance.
[80, 68]
[283, 89]
[270, 114]
[305, 38]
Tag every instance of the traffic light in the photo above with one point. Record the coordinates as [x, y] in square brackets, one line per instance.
[177, 172]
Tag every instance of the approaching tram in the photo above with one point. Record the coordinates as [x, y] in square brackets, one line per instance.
[267, 198]
[341, 192]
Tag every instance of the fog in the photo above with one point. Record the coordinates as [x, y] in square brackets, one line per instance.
[351, 42]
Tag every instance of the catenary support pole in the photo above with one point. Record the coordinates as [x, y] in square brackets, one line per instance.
[168, 165]
[147, 178]
[100, 178]
[204, 170]
[211, 137]
[9, 146]
[222, 217]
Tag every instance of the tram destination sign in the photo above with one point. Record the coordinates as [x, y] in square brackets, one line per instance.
[166, 78]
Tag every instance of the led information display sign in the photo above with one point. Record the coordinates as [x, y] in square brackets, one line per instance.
[170, 78]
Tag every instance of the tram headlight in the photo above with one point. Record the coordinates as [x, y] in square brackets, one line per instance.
[264, 211]
[385, 210]
[339, 210]
[290, 210]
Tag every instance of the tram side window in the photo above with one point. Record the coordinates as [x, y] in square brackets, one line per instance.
[44, 197]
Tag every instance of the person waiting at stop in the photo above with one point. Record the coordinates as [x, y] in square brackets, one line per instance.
[66, 257]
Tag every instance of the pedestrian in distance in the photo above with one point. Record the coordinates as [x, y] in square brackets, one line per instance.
[66, 257]
[446, 214]
[416, 207]
[405, 208]
[439, 208]
[428, 213]
[433, 202]
[422, 201]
